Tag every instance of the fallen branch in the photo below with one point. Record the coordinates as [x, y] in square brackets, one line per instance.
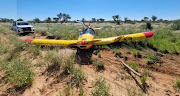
[129, 67]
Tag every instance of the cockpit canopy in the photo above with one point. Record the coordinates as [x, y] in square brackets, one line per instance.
[87, 31]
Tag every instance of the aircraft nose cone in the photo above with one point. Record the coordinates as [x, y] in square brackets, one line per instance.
[83, 42]
[148, 34]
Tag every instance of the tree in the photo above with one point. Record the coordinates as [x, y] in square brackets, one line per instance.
[65, 17]
[56, 19]
[93, 19]
[146, 18]
[6, 20]
[101, 19]
[60, 15]
[154, 18]
[160, 20]
[116, 19]
[20, 19]
[36, 20]
[48, 20]
[83, 20]
[125, 20]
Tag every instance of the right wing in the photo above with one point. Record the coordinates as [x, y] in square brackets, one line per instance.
[122, 38]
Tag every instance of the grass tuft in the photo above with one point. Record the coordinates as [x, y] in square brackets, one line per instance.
[153, 58]
[137, 53]
[99, 65]
[101, 89]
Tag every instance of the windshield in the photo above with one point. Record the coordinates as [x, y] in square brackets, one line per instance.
[22, 23]
[87, 31]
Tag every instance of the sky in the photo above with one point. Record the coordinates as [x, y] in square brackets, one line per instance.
[78, 9]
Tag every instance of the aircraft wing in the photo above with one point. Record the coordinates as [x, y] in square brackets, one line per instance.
[52, 42]
[122, 38]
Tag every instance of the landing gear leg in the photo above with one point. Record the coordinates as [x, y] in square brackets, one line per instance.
[84, 56]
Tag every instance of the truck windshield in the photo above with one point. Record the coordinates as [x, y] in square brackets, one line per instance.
[23, 23]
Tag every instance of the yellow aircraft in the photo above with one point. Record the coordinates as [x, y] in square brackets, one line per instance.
[87, 39]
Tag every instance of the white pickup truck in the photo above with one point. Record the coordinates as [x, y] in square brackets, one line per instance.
[22, 27]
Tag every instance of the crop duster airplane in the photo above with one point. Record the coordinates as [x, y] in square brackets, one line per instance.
[87, 39]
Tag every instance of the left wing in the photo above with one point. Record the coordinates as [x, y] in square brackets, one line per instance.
[132, 37]
[50, 42]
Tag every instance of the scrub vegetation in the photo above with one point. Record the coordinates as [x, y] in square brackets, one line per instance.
[20, 62]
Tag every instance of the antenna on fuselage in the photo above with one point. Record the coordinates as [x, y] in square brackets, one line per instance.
[84, 26]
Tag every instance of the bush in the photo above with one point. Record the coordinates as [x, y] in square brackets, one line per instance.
[133, 66]
[143, 79]
[117, 53]
[149, 61]
[4, 48]
[69, 64]
[137, 53]
[176, 25]
[165, 41]
[78, 77]
[101, 89]
[153, 58]
[177, 85]
[55, 61]
[34, 49]
[99, 55]
[99, 65]
[18, 72]
[148, 26]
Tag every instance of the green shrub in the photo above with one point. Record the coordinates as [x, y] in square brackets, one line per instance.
[34, 49]
[101, 89]
[18, 72]
[69, 64]
[164, 40]
[116, 50]
[153, 58]
[133, 66]
[18, 43]
[99, 55]
[148, 26]
[177, 85]
[125, 57]
[55, 60]
[4, 48]
[78, 77]
[81, 92]
[176, 25]
[117, 53]
[149, 61]
[99, 65]
[143, 79]
[137, 53]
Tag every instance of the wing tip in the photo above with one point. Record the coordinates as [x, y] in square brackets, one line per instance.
[29, 40]
[149, 34]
